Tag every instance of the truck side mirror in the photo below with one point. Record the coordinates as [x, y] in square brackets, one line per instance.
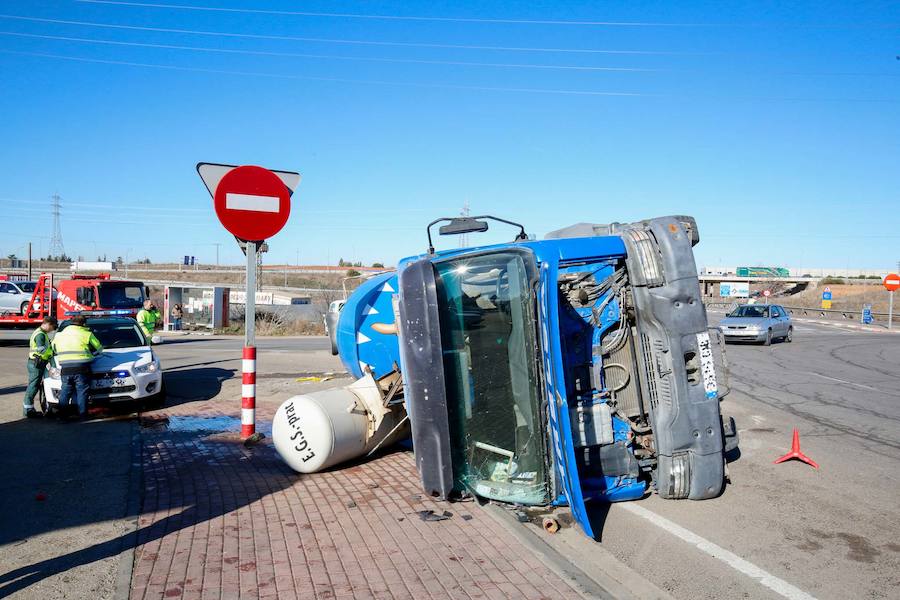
[463, 225]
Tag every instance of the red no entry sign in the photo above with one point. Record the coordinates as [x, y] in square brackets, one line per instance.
[767, 293]
[251, 202]
[892, 282]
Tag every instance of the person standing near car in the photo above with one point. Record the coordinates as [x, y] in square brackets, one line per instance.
[147, 318]
[75, 348]
[39, 352]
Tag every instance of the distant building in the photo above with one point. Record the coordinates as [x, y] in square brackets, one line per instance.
[790, 272]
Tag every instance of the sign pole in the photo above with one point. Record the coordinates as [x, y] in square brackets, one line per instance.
[248, 362]
[891, 310]
[253, 204]
[250, 313]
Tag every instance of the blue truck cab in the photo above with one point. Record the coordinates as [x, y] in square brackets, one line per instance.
[562, 371]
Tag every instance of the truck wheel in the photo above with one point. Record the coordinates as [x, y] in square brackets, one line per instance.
[768, 340]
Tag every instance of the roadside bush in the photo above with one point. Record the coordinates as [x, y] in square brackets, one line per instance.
[272, 323]
[831, 280]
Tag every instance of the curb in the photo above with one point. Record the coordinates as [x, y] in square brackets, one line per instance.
[132, 514]
[594, 574]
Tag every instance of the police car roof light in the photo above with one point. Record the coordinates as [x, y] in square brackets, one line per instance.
[99, 313]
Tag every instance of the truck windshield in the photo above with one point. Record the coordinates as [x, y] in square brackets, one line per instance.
[488, 339]
[117, 295]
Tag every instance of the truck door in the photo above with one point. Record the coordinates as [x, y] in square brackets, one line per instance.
[563, 451]
[86, 296]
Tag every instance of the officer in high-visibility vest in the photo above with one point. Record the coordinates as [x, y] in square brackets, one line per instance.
[147, 318]
[39, 352]
[75, 348]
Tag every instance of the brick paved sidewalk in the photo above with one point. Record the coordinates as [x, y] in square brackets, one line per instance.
[219, 520]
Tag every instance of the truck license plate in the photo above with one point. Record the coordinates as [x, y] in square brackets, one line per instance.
[707, 365]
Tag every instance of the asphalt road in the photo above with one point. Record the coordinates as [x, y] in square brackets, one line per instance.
[827, 533]
[67, 499]
[778, 531]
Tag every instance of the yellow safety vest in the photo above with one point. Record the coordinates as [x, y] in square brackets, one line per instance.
[39, 345]
[75, 344]
[147, 321]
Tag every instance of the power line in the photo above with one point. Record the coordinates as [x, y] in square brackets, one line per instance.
[408, 60]
[329, 56]
[296, 13]
[151, 208]
[384, 17]
[447, 86]
[115, 206]
[290, 38]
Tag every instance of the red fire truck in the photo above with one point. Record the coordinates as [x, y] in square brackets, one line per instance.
[78, 293]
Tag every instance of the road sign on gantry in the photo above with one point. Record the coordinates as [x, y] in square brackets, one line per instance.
[892, 282]
[251, 202]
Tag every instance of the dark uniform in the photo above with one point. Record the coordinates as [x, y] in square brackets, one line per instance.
[39, 352]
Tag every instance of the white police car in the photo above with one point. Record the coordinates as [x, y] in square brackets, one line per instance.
[127, 370]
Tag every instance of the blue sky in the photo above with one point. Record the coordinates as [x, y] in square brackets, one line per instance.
[777, 125]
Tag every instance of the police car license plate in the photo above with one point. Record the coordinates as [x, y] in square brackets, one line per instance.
[707, 365]
[103, 383]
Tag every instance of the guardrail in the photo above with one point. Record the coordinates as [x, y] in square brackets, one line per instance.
[820, 313]
[836, 314]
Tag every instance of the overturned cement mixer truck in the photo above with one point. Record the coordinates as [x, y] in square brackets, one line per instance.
[555, 372]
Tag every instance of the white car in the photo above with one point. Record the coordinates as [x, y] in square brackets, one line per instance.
[127, 370]
[15, 296]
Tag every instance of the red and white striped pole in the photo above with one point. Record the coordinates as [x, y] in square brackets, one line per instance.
[248, 392]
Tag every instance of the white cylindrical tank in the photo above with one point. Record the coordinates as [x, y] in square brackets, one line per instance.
[315, 431]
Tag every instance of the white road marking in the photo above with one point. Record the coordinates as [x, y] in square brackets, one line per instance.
[252, 202]
[865, 387]
[779, 586]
